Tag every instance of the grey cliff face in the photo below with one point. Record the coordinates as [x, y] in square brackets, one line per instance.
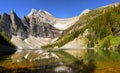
[40, 26]
[18, 28]
[36, 24]
[5, 24]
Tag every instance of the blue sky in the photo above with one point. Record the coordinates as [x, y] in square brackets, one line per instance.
[58, 8]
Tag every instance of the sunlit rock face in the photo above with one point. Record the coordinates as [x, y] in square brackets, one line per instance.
[38, 24]
[18, 28]
[5, 24]
[28, 25]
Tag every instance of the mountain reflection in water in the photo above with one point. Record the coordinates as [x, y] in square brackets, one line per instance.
[33, 61]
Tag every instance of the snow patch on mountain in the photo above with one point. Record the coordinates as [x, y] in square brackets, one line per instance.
[63, 24]
[44, 12]
[46, 17]
[33, 11]
[85, 12]
[26, 41]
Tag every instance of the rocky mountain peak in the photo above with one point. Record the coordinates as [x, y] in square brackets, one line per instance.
[32, 12]
[5, 16]
[18, 27]
[5, 24]
[14, 18]
[37, 24]
[40, 13]
[12, 12]
[45, 12]
[40, 16]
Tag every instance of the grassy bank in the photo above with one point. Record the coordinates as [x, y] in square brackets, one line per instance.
[4, 40]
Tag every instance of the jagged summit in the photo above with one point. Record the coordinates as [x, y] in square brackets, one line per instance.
[33, 11]
[58, 23]
[85, 12]
[4, 14]
[39, 23]
[12, 11]
[41, 12]
[41, 15]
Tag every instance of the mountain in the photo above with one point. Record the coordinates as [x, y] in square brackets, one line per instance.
[59, 23]
[37, 24]
[78, 44]
[92, 28]
[5, 23]
[43, 28]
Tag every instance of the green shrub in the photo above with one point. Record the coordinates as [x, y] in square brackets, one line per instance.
[107, 23]
[4, 40]
[65, 39]
[107, 49]
[109, 43]
[100, 22]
